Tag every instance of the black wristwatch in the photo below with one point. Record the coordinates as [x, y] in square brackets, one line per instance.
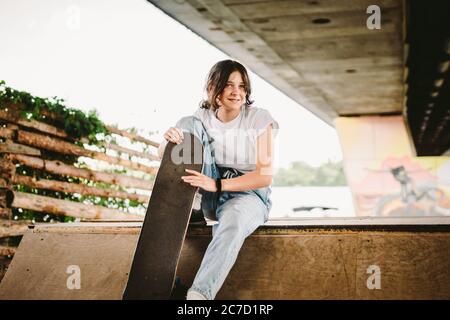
[219, 185]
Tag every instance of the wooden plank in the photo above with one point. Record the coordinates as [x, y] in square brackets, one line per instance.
[11, 147]
[7, 168]
[58, 167]
[12, 116]
[5, 213]
[11, 228]
[68, 208]
[7, 133]
[7, 251]
[56, 145]
[131, 152]
[131, 136]
[77, 188]
[6, 197]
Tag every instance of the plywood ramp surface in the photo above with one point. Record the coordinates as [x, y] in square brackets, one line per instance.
[281, 264]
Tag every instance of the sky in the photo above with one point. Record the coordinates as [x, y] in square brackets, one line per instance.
[138, 68]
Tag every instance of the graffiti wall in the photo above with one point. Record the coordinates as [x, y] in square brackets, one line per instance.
[385, 177]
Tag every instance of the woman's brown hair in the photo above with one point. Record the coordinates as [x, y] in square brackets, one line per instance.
[217, 80]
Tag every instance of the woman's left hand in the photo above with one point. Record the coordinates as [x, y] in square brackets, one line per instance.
[200, 180]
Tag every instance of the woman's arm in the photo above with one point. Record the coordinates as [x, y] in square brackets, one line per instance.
[261, 177]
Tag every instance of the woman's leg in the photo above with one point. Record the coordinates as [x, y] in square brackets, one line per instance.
[238, 218]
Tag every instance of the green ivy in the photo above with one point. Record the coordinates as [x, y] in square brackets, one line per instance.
[74, 122]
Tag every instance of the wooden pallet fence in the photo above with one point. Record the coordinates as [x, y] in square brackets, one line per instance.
[25, 142]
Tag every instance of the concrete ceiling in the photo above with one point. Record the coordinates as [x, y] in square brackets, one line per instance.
[427, 106]
[337, 67]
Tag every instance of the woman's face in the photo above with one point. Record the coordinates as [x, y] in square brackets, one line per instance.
[233, 95]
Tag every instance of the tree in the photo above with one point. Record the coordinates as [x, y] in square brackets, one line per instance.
[300, 173]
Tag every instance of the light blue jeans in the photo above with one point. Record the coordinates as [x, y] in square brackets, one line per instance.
[238, 215]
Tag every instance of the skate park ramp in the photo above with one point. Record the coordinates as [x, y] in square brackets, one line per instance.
[358, 259]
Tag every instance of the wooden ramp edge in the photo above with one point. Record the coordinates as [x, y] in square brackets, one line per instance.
[310, 261]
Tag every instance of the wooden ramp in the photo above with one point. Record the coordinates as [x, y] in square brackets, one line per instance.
[315, 261]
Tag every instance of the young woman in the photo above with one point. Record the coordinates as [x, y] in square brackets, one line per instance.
[237, 173]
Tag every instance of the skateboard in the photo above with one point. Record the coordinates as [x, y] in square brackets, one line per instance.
[155, 261]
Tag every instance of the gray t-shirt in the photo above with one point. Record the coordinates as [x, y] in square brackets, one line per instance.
[234, 142]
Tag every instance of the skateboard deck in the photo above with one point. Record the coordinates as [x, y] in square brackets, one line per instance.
[154, 266]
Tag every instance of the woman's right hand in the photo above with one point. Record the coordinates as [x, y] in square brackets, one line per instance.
[174, 135]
